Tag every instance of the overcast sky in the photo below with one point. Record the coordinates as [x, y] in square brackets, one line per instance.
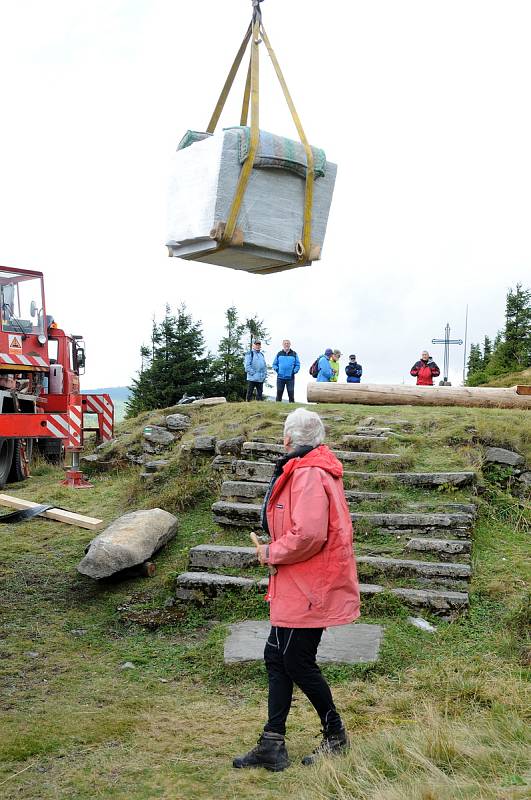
[424, 106]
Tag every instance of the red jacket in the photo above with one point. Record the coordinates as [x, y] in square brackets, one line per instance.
[316, 584]
[425, 372]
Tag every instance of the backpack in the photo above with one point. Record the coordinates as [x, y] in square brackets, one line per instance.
[314, 369]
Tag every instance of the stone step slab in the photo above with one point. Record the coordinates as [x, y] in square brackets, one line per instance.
[403, 567]
[343, 644]
[365, 442]
[248, 514]
[445, 548]
[243, 491]
[265, 451]
[236, 514]
[214, 557]
[198, 586]
[258, 471]
[426, 480]
[412, 520]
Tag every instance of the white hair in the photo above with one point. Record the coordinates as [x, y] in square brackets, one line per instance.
[304, 427]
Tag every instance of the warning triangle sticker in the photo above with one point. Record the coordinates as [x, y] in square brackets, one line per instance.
[15, 342]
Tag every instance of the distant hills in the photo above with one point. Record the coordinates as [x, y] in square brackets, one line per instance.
[119, 395]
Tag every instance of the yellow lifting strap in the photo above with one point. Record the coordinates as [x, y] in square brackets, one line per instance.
[251, 96]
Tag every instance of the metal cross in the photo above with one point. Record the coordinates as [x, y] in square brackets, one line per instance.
[446, 342]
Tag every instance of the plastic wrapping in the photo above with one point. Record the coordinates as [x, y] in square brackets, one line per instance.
[203, 181]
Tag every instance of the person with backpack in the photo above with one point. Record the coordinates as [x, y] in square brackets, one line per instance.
[425, 370]
[256, 369]
[354, 370]
[321, 369]
[286, 365]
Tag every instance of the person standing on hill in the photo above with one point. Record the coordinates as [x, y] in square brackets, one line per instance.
[256, 369]
[286, 365]
[354, 370]
[425, 370]
[325, 371]
[334, 363]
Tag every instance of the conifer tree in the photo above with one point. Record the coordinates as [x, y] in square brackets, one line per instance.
[228, 365]
[175, 365]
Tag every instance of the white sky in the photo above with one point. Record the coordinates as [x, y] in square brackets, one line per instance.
[424, 105]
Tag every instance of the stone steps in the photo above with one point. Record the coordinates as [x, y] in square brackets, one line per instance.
[404, 567]
[426, 480]
[365, 442]
[198, 586]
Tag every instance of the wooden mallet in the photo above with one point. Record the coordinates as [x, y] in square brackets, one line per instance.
[256, 541]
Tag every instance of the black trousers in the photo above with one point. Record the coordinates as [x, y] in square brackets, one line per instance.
[289, 384]
[289, 657]
[251, 386]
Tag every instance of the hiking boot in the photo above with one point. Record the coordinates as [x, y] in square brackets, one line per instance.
[270, 753]
[332, 744]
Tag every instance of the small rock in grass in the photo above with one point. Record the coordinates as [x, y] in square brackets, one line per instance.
[32, 654]
[78, 631]
[127, 665]
[423, 624]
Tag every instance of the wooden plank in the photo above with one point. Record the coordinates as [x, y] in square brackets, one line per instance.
[69, 517]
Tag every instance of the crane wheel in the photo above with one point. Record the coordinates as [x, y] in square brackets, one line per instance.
[7, 447]
[22, 451]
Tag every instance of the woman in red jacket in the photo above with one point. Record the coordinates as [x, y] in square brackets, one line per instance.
[315, 586]
[425, 370]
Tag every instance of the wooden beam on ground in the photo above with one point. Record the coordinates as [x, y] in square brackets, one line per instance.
[69, 517]
[389, 395]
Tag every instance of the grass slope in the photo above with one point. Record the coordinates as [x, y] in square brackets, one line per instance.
[522, 378]
[440, 716]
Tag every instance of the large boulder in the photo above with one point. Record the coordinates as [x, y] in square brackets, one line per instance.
[158, 436]
[498, 455]
[204, 444]
[177, 422]
[128, 541]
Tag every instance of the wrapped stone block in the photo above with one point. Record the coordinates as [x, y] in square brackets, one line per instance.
[203, 179]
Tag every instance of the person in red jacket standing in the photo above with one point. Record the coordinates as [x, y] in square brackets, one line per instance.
[315, 586]
[425, 370]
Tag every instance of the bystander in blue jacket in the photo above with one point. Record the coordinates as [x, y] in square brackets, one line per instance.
[286, 365]
[256, 369]
[326, 372]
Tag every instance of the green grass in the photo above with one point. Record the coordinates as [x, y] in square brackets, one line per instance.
[439, 716]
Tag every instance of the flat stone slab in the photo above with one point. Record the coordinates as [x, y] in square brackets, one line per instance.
[444, 547]
[238, 514]
[412, 520]
[209, 401]
[423, 479]
[204, 444]
[266, 451]
[259, 471]
[231, 446]
[127, 542]
[356, 496]
[401, 567]
[209, 556]
[247, 490]
[344, 644]
[157, 435]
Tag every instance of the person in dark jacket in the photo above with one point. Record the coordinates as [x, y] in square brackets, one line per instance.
[425, 370]
[286, 365]
[354, 370]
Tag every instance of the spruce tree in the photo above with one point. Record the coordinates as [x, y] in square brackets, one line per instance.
[256, 329]
[228, 365]
[175, 365]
